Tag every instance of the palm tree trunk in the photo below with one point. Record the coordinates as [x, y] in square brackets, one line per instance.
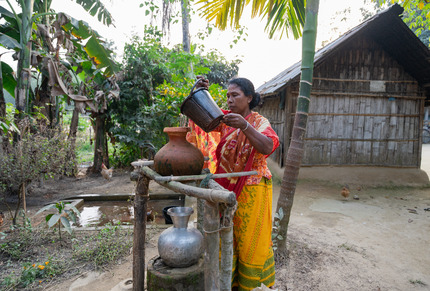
[296, 148]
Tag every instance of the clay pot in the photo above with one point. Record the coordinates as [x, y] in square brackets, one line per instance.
[178, 157]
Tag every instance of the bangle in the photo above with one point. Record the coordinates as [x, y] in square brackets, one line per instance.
[246, 127]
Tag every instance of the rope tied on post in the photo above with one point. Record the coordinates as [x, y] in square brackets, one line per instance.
[205, 182]
[226, 221]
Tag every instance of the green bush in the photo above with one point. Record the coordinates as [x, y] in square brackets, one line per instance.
[155, 82]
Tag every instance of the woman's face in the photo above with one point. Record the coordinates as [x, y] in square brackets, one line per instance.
[237, 101]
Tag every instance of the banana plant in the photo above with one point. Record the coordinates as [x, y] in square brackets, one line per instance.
[16, 35]
[29, 35]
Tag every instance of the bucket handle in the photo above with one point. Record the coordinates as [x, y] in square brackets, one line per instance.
[195, 84]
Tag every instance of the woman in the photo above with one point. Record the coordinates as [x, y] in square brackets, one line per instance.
[247, 139]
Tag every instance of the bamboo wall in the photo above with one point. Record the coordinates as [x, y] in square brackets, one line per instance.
[276, 116]
[365, 110]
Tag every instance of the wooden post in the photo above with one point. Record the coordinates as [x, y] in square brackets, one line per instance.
[226, 245]
[211, 225]
[211, 230]
[200, 213]
[226, 258]
[140, 207]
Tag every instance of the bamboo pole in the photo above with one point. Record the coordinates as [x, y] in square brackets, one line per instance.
[213, 195]
[201, 177]
[362, 139]
[140, 208]
[363, 80]
[354, 94]
[142, 163]
[363, 114]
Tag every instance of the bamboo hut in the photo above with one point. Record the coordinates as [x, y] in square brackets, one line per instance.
[367, 100]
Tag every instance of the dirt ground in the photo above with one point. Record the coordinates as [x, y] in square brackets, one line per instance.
[379, 241]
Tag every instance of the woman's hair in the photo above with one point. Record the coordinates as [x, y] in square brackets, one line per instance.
[248, 89]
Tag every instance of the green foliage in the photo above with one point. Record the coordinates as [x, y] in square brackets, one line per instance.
[58, 259]
[282, 16]
[32, 156]
[155, 83]
[416, 16]
[7, 124]
[30, 273]
[9, 81]
[15, 249]
[417, 21]
[220, 70]
[66, 212]
[276, 237]
[108, 245]
[12, 249]
[417, 282]
[39, 151]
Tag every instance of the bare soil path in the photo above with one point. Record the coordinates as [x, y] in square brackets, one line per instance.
[378, 242]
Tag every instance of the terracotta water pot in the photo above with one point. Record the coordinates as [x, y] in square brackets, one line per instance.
[178, 157]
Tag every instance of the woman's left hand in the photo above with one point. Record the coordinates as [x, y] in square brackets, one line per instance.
[260, 142]
[234, 120]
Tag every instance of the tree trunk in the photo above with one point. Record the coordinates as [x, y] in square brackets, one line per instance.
[185, 26]
[44, 101]
[100, 145]
[296, 148]
[72, 135]
[21, 198]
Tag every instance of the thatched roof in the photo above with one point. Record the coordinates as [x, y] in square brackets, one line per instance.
[385, 28]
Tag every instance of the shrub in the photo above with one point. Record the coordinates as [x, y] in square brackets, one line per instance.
[38, 153]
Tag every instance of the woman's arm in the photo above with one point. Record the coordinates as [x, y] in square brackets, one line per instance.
[259, 141]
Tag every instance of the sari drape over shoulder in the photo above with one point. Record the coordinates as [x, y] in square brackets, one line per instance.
[206, 142]
[236, 154]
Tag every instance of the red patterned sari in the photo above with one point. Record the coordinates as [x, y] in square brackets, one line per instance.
[235, 153]
[253, 262]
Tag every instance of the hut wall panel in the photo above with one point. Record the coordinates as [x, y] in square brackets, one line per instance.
[352, 123]
[271, 111]
[379, 133]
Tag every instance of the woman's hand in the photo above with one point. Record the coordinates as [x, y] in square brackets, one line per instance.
[234, 120]
[203, 83]
[260, 142]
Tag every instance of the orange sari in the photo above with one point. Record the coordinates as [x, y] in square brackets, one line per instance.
[205, 142]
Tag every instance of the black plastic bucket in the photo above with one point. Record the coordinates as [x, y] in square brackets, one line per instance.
[167, 217]
[200, 107]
